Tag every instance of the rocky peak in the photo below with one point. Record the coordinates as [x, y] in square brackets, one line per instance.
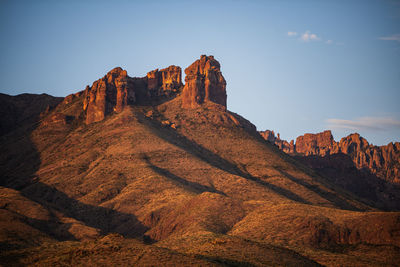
[111, 93]
[353, 142]
[204, 82]
[283, 145]
[115, 72]
[316, 144]
[383, 161]
[116, 90]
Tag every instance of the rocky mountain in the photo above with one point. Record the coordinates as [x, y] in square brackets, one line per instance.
[148, 171]
[353, 163]
[116, 90]
[383, 161]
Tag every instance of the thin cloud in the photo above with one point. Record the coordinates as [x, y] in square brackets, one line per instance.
[308, 36]
[365, 123]
[393, 37]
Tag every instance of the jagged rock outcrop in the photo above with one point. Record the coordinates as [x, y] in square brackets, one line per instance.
[164, 81]
[204, 82]
[116, 90]
[316, 144]
[111, 93]
[383, 161]
[283, 145]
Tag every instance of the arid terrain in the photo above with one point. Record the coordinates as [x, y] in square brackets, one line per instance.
[152, 171]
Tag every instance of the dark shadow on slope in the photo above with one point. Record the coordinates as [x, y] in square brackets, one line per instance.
[341, 170]
[23, 109]
[20, 160]
[105, 219]
[324, 194]
[190, 186]
[213, 159]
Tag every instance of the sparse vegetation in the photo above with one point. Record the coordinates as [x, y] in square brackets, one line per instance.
[129, 191]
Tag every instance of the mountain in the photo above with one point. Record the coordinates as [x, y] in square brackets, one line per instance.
[151, 171]
[24, 109]
[362, 168]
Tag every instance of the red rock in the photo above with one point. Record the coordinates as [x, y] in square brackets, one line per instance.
[204, 82]
[282, 144]
[316, 144]
[111, 93]
[164, 81]
[383, 161]
[116, 90]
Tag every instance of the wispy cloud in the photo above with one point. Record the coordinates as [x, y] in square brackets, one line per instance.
[393, 37]
[365, 123]
[308, 36]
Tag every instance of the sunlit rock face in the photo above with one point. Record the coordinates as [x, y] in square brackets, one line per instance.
[164, 81]
[204, 82]
[116, 90]
[110, 93]
[316, 144]
[383, 161]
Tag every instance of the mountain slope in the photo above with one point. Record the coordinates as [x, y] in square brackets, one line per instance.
[195, 183]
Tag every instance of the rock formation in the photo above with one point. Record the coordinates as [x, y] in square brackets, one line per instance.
[383, 161]
[283, 145]
[164, 81]
[111, 93]
[116, 90]
[316, 144]
[204, 82]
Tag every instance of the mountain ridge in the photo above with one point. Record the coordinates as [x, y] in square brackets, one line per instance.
[173, 180]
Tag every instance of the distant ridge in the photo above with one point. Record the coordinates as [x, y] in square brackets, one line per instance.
[365, 169]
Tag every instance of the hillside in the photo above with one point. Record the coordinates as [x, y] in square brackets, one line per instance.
[139, 171]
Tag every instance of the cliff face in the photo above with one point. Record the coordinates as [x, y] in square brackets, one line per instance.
[164, 81]
[316, 144]
[116, 90]
[204, 82]
[383, 161]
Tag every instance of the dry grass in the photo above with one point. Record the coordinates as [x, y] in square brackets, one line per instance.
[209, 191]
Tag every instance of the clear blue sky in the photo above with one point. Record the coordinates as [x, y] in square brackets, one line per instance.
[290, 66]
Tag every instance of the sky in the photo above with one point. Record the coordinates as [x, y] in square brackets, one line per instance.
[294, 67]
